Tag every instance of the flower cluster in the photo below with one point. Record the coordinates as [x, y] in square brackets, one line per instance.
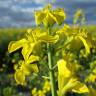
[46, 88]
[62, 40]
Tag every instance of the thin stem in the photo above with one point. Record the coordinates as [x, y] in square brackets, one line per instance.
[54, 67]
[45, 77]
[51, 72]
[65, 45]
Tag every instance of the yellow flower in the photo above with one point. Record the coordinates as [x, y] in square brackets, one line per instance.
[34, 92]
[24, 44]
[26, 68]
[46, 86]
[29, 68]
[75, 36]
[49, 17]
[29, 45]
[20, 77]
[66, 30]
[91, 78]
[40, 35]
[80, 88]
[41, 93]
[32, 40]
[67, 81]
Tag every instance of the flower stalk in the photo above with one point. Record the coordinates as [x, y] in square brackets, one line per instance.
[51, 72]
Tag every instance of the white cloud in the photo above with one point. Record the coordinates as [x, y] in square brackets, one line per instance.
[5, 18]
[19, 12]
[25, 10]
[5, 3]
[23, 1]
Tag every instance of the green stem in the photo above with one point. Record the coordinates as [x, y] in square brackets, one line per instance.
[51, 72]
[65, 45]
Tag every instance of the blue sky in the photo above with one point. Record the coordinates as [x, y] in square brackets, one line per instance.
[20, 13]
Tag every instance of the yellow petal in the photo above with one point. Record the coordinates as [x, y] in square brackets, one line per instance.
[27, 50]
[48, 20]
[70, 84]
[20, 77]
[91, 78]
[62, 68]
[74, 85]
[39, 16]
[34, 68]
[65, 30]
[49, 39]
[61, 83]
[43, 16]
[59, 16]
[63, 75]
[80, 88]
[15, 45]
[85, 44]
[29, 68]
[32, 59]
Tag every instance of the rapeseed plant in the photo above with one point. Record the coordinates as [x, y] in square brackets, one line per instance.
[55, 44]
